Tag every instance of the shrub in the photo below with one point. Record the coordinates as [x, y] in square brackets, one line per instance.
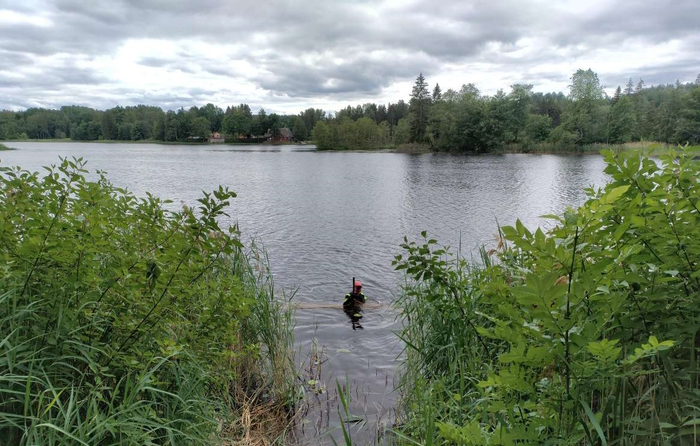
[121, 322]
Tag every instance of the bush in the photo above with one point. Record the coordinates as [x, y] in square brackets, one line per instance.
[123, 322]
[585, 334]
[563, 137]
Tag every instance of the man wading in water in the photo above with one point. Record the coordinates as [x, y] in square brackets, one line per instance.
[356, 296]
[352, 305]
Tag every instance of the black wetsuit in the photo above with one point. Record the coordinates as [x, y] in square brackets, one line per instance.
[354, 298]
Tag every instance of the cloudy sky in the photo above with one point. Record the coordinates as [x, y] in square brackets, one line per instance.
[290, 55]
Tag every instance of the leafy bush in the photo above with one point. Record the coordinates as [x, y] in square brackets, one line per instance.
[122, 322]
[585, 334]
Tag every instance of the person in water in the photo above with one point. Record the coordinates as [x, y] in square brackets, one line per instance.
[352, 305]
[356, 296]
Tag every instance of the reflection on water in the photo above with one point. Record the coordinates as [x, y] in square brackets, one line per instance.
[354, 313]
[327, 216]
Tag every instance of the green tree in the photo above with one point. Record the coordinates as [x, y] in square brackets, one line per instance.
[585, 116]
[621, 121]
[125, 131]
[402, 132]
[321, 136]
[616, 97]
[214, 116]
[585, 86]
[138, 131]
[538, 127]
[419, 109]
[689, 126]
[384, 134]
[159, 128]
[519, 100]
[367, 135]
[170, 124]
[299, 129]
[109, 125]
[441, 125]
[437, 93]
[201, 128]
[260, 123]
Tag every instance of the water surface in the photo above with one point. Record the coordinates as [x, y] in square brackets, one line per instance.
[325, 217]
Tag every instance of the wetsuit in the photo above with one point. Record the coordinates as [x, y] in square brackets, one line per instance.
[354, 298]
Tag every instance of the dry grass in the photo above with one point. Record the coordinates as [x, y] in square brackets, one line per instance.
[259, 424]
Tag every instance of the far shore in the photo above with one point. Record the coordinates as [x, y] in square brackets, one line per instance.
[647, 147]
[166, 143]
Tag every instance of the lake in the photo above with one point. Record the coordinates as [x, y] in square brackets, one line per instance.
[325, 217]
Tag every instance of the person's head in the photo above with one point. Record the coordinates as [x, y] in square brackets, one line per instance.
[358, 287]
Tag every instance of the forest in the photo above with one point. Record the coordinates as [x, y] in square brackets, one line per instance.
[463, 120]
[143, 122]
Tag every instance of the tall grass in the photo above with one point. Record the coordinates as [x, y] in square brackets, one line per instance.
[124, 323]
[587, 334]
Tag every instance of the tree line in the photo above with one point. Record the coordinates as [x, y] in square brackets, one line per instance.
[463, 120]
[468, 121]
[143, 122]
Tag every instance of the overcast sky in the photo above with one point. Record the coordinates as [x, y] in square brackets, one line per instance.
[291, 55]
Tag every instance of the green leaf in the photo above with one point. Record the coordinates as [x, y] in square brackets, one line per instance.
[614, 194]
[594, 421]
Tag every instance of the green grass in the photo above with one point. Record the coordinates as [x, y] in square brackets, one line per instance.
[643, 147]
[4, 147]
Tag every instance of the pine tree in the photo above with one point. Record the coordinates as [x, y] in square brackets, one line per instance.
[618, 94]
[630, 87]
[437, 93]
[697, 80]
[418, 110]
[639, 87]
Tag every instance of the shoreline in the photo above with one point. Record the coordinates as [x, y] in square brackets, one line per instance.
[410, 149]
[165, 143]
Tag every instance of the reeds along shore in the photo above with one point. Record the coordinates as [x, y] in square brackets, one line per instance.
[125, 323]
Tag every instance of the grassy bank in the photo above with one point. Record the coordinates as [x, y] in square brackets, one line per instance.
[538, 148]
[592, 149]
[4, 147]
[585, 334]
[125, 323]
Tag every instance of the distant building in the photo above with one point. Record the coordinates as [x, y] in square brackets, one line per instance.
[286, 135]
[216, 137]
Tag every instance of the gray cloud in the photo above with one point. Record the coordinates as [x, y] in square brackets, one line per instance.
[338, 51]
